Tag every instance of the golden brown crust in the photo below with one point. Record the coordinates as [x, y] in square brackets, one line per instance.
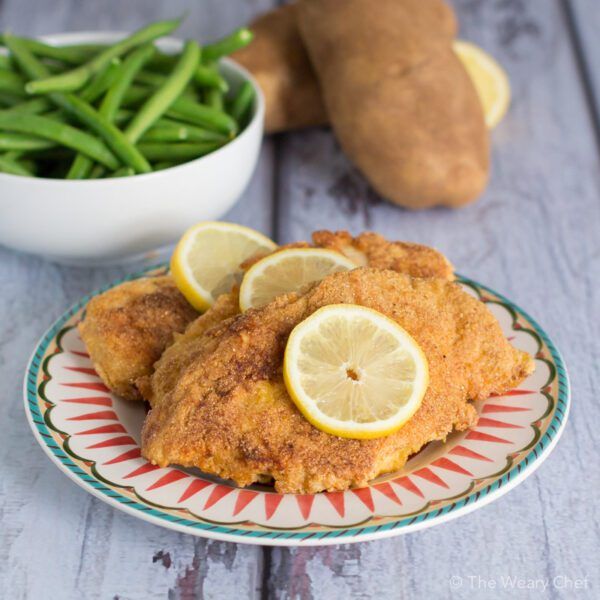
[227, 410]
[127, 328]
[225, 307]
[373, 250]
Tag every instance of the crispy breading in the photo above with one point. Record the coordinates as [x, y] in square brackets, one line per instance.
[127, 328]
[225, 307]
[373, 250]
[219, 402]
[370, 249]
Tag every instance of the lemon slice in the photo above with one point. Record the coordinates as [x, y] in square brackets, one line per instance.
[288, 271]
[489, 78]
[354, 372]
[207, 259]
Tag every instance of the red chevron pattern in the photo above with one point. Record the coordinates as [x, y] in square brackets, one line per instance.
[218, 493]
[171, 477]
[243, 499]
[272, 501]
[409, 484]
[197, 485]
[365, 496]
[146, 468]
[388, 491]
[96, 401]
[129, 455]
[502, 408]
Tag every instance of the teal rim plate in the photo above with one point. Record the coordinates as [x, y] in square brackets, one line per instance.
[93, 437]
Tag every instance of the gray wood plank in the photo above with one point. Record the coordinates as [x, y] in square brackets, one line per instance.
[584, 16]
[57, 540]
[534, 237]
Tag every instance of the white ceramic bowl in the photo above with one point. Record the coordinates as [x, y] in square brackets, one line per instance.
[111, 220]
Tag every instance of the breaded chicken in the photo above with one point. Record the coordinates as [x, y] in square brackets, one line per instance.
[127, 328]
[225, 307]
[219, 402]
[372, 250]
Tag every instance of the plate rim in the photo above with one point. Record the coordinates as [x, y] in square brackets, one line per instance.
[349, 534]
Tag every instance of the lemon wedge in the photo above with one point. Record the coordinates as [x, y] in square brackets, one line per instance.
[353, 372]
[489, 78]
[207, 259]
[288, 271]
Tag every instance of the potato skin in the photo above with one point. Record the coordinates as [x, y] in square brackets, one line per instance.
[402, 105]
[278, 60]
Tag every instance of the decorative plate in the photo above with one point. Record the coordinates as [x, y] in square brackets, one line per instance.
[94, 438]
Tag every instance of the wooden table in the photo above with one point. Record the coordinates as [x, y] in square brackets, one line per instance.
[534, 236]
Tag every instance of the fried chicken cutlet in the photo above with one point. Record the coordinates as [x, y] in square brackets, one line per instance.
[219, 402]
[370, 249]
[127, 328]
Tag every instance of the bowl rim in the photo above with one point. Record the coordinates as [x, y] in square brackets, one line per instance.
[168, 42]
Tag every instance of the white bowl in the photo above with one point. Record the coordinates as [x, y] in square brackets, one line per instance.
[111, 220]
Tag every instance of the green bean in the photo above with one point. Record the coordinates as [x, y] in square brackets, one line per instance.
[234, 41]
[82, 165]
[123, 116]
[13, 166]
[122, 172]
[97, 172]
[164, 164]
[9, 100]
[205, 116]
[114, 137]
[176, 152]
[242, 103]
[76, 54]
[33, 107]
[167, 129]
[165, 134]
[119, 90]
[153, 79]
[12, 82]
[214, 98]
[208, 76]
[81, 110]
[171, 131]
[20, 141]
[63, 134]
[28, 163]
[134, 96]
[163, 62]
[172, 105]
[101, 82]
[150, 78]
[76, 78]
[165, 95]
[5, 62]
[198, 134]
